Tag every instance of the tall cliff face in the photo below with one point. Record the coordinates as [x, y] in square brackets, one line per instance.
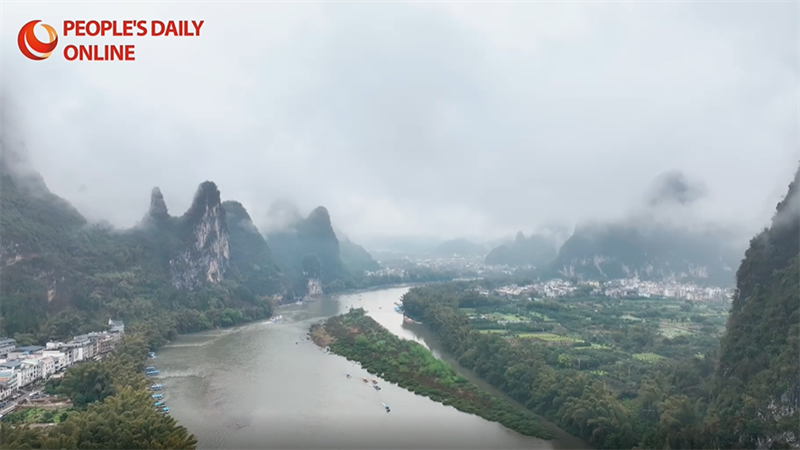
[206, 254]
[758, 378]
[60, 272]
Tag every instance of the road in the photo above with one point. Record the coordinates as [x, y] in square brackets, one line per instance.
[21, 394]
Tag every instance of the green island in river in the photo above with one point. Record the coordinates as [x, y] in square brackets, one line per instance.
[410, 365]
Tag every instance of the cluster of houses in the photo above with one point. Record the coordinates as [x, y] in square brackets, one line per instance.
[631, 287]
[22, 366]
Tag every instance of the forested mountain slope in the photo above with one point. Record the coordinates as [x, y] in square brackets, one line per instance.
[758, 379]
[60, 275]
[308, 249]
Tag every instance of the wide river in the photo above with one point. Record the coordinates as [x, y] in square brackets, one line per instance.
[263, 385]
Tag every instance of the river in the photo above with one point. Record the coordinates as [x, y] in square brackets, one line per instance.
[263, 385]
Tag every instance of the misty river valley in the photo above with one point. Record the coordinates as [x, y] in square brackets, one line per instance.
[263, 385]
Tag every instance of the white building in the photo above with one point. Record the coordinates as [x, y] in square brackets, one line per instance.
[33, 370]
[48, 365]
[8, 383]
[60, 360]
[24, 373]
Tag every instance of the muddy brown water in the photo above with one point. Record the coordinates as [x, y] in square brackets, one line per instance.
[264, 385]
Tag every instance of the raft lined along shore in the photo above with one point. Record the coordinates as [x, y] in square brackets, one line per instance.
[410, 365]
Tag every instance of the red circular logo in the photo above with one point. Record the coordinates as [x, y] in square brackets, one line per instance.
[30, 45]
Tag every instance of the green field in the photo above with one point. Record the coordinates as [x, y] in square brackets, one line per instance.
[540, 316]
[37, 415]
[617, 339]
[549, 337]
[505, 317]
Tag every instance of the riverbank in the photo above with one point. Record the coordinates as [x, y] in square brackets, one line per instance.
[408, 364]
[105, 395]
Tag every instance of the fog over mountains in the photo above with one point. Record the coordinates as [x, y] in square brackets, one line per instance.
[507, 127]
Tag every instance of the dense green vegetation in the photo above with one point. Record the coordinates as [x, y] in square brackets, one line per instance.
[757, 383]
[358, 337]
[37, 415]
[601, 332]
[588, 382]
[642, 373]
[61, 277]
[112, 409]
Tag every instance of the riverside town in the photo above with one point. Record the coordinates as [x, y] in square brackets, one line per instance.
[22, 367]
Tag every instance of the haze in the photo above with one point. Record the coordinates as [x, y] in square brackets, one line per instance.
[422, 119]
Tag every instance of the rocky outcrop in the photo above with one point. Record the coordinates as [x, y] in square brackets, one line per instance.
[158, 207]
[314, 287]
[206, 254]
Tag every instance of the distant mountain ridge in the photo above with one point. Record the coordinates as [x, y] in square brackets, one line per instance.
[656, 252]
[534, 251]
[309, 252]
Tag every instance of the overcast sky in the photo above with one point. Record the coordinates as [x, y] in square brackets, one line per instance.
[449, 119]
